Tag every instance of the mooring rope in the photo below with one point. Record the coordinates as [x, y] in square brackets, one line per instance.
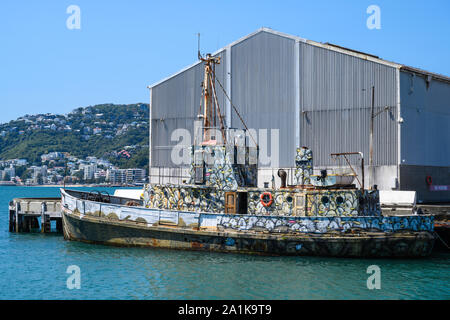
[441, 240]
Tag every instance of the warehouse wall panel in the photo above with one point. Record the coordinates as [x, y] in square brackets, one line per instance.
[425, 131]
[263, 89]
[335, 102]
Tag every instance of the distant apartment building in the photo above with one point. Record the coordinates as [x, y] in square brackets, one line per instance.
[89, 171]
[116, 176]
[125, 176]
[91, 159]
[100, 174]
[7, 173]
[13, 162]
[38, 172]
[52, 156]
[135, 176]
[21, 162]
[105, 163]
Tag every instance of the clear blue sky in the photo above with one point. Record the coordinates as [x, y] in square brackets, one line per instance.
[123, 46]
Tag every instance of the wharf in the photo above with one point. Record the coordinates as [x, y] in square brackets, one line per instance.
[36, 214]
[33, 214]
[441, 214]
[440, 211]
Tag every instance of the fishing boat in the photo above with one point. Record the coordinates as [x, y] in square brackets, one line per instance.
[221, 208]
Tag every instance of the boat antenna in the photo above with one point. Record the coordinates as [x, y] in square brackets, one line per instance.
[198, 47]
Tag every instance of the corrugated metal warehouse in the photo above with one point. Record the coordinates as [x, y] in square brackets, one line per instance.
[320, 96]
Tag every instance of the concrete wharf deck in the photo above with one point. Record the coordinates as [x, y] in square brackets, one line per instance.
[31, 214]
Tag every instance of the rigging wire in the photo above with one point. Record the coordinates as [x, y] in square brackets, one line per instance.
[441, 240]
[218, 109]
[235, 109]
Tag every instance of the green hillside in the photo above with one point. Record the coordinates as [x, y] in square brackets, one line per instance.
[101, 131]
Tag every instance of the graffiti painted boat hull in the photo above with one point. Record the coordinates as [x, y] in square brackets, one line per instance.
[116, 224]
[101, 231]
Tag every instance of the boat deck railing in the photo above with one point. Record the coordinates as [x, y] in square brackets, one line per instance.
[180, 175]
[104, 197]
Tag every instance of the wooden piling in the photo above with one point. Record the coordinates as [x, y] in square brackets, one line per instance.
[43, 217]
[17, 217]
[23, 224]
[11, 217]
[46, 222]
[59, 226]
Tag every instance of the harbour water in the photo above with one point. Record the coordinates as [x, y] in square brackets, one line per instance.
[33, 266]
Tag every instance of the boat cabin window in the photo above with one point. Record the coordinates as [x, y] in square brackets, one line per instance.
[242, 203]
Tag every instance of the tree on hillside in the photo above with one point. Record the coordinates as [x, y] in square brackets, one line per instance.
[25, 175]
[79, 175]
[40, 181]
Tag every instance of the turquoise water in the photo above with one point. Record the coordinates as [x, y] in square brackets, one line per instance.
[33, 266]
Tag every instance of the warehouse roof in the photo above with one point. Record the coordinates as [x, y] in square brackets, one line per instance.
[328, 46]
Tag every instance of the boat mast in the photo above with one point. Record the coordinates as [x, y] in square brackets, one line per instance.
[211, 109]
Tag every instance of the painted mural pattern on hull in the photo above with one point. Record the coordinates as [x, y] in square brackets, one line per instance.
[410, 245]
[271, 224]
[325, 224]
